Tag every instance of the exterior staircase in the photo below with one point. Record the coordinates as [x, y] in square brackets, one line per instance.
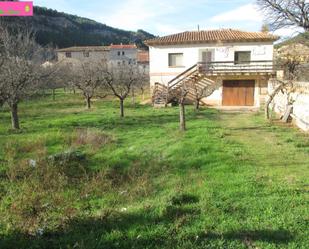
[192, 79]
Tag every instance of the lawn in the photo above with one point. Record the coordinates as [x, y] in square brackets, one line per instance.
[77, 178]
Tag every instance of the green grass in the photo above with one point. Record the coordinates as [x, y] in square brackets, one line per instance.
[231, 181]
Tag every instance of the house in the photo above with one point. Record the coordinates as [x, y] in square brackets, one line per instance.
[86, 53]
[239, 62]
[123, 54]
[115, 54]
[143, 59]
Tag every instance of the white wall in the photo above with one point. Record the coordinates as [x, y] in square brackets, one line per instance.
[130, 54]
[162, 73]
[300, 107]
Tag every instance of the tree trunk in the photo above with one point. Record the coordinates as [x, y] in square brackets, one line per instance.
[74, 91]
[54, 94]
[14, 117]
[121, 108]
[287, 114]
[88, 102]
[182, 117]
[197, 105]
[143, 94]
[133, 97]
[271, 97]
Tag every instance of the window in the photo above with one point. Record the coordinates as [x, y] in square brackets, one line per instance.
[242, 57]
[123, 53]
[119, 53]
[86, 54]
[68, 54]
[175, 60]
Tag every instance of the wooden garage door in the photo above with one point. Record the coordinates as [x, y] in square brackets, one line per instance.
[238, 93]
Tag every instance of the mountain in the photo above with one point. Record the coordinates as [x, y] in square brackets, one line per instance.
[302, 38]
[65, 30]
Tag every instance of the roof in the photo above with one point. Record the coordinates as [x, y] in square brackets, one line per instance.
[143, 56]
[84, 49]
[123, 46]
[211, 36]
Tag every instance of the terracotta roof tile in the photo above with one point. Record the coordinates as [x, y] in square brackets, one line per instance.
[84, 49]
[122, 46]
[211, 36]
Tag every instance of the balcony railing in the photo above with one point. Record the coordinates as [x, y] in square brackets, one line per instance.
[225, 67]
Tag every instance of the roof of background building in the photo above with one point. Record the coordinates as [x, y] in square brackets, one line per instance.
[97, 48]
[211, 36]
[84, 49]
[123, 46]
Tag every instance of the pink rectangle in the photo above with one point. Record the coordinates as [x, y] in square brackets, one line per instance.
[16, 8]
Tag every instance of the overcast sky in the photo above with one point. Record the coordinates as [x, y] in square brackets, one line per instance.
[162, 17]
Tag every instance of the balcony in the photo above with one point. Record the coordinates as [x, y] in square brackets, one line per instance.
[234, 68]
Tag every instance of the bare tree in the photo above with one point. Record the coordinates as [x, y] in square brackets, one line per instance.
[59, 76]
[120, 79]
[286, 13]
[2, 85]
[182, 94]
[143, 82]
[200, 91]
[20, 70]
[88, 79]
[265, 28]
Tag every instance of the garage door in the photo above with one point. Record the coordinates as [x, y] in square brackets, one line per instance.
[238, 93]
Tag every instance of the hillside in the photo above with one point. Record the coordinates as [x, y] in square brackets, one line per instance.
[302, 38]
[65, 30]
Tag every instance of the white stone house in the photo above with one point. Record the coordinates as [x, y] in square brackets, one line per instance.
[123, 54]
[114, 54]
[241, 61]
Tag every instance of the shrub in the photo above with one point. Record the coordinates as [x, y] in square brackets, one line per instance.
[71, 163]
[92, 137]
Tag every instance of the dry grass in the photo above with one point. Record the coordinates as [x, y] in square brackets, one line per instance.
[89, 137]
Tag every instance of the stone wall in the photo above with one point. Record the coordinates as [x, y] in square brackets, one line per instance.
[300, 107]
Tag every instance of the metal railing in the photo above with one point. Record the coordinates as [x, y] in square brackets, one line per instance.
[216, 67]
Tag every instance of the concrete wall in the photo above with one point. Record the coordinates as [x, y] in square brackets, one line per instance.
[300, 106]
[130, 55]
[98, 56]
